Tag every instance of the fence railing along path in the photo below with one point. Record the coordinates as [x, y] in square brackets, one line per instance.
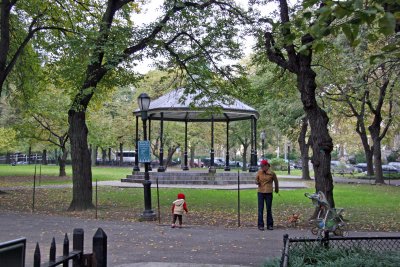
[12, 253]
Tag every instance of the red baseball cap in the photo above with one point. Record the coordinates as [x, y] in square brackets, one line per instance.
[264, 162]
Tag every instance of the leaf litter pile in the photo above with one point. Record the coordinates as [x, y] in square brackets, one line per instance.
[126, 204]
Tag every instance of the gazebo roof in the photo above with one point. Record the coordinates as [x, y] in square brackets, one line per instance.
[176, 106]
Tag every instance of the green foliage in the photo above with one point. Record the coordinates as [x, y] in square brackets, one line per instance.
[318, 256]
[360, 157]
[278, 164]
[394, 156]
[7, 139]
[350, 16]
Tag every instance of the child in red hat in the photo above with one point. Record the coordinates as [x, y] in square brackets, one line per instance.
[178, 207]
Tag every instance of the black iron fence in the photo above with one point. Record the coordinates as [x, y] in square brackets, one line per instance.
[305, 245]
[12, 253]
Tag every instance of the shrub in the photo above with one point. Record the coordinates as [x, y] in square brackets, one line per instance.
[318, 256]
[278, 164]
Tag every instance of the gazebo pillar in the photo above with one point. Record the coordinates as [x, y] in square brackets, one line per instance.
[255, 143]
[185, 153]
[136, 166]
[253, 160]
[212, 168]
[227, 168]
[150, 168]
[161, 157]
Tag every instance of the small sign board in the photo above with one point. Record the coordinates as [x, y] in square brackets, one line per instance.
[144, 151]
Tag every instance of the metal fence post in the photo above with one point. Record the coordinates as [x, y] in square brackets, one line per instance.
[325, 239]
[66, 249]
[100, 248]
[36, 256]
[285, 252]
[77, 241]
[53, 250]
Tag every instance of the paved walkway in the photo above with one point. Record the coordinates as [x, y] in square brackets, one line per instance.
[149, 244]
[291, 182]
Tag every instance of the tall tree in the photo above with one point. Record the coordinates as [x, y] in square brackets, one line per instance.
[184, 33]
[280, 44]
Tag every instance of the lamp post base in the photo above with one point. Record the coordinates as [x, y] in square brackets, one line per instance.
[212, 169]
[136, 168]
[148, 215]
[161, 169]
[253, 169]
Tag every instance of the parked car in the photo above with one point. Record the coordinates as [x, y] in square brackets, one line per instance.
[342, 168]
[395, 164]
[389, 169]
[362, 166]
[236, 164]
[297, 165]
[218, 162]
[198, 164]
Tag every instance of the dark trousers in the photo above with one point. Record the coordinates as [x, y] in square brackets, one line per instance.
[179, 218]
[267, 197]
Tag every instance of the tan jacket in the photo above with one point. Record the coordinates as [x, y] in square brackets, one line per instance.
[264, 181]
[179, 206]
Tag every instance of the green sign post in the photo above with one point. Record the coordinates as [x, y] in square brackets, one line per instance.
[144, 151]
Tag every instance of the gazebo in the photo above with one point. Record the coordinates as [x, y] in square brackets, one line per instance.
[178, 106]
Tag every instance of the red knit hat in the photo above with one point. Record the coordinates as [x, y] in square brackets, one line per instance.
[264, 162]
[181, 196]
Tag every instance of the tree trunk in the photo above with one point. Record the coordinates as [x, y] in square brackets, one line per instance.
[245, 147]
[29, 155]
[8, 158]
[191, 163]
[368, 153]
[103, 156]
[171, 151]
[62, 162]
[374, 129]
[121, 155]
[93, 155]
[44, 157]
[321, 141]
[378, 163]
[304, 147]
[81, 165]
[109, 155]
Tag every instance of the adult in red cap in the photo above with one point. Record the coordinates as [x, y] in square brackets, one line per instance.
[264, 179]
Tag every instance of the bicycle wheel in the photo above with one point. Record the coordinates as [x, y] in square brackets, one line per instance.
[315, 230]
[341, 231]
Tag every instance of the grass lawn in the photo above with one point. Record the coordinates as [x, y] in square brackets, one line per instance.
[367, 207]
[43, 172]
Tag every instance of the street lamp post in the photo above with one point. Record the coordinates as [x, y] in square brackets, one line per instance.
[263, 136]
[288, 159]
[148, 213]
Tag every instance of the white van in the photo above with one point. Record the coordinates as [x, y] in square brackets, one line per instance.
[395, 164]
[127, 156]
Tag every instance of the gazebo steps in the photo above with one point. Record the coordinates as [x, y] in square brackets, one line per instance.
[194, 182]
[185, 177]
